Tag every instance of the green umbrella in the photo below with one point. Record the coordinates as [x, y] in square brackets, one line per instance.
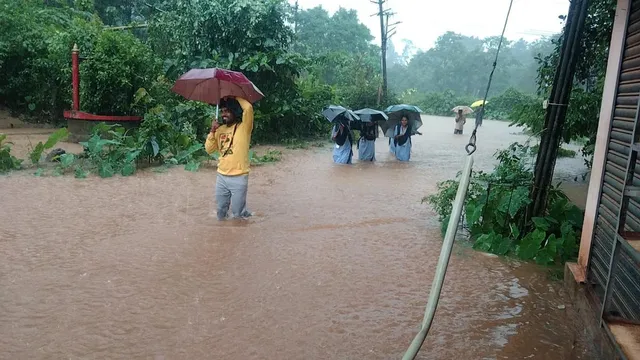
[399, 107]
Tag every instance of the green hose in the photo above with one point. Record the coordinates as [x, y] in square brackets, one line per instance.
[443, 261]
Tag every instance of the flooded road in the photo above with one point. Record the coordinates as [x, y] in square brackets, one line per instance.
[337, 264]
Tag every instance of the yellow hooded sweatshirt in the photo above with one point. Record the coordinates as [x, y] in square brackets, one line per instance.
[233, 143]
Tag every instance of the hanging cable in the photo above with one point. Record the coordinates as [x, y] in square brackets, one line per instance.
[471, 146]
[447, 245]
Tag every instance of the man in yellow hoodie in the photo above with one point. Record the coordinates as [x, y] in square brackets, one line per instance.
[232, 140]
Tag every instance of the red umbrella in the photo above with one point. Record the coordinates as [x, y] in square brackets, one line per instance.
[210, 85]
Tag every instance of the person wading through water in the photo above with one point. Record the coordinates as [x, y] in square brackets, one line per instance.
[402, 140]
[461, 119]
[232, 140]
[341, 135]
[367, 142]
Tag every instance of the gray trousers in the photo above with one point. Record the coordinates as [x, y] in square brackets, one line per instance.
[232, 190]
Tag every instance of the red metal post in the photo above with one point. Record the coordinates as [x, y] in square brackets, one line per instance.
[75, 71]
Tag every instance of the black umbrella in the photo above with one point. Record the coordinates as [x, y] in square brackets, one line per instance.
[369, 115]
[335, 113]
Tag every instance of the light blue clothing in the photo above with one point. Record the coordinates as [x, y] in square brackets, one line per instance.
[392, 146]
[342, 154]
[403, 152]
[366, 150]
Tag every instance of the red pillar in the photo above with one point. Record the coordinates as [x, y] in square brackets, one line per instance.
[75, 71]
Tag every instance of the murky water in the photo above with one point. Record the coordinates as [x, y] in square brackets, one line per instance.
[337, 264]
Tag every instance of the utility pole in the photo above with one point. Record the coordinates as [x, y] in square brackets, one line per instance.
[556, 112]
[386, 31]
[295, 19]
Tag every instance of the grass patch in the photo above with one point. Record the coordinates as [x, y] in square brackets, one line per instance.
[304, 144]
[296, 144]
[270, 156]
[562, 152]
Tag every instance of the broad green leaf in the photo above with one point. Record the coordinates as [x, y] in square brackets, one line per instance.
[155, 146]
[551, 244]
[80, 173]
[141, 95]
[502, 247]
[515, 232]
[171, 161]
[128, 169]
[36, 154]
[483, 243]
[541, 223]
[58, 135]
[66, 160]
[519, 200]
[474, 212]
[192, 166]
[131, 156]
[105, 170]
[544, 257]
[530, 244]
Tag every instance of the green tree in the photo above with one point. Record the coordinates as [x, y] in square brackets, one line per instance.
[250, 36]
[582, 114]
[462, 64]
[320, 34]
[342, 52]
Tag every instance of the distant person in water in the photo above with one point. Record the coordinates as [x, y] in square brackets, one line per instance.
[402, 140]
[461, 119]
[341, 135]
[367, 142]
[232, 140]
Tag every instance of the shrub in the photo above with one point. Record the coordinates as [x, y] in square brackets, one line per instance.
[495, 211]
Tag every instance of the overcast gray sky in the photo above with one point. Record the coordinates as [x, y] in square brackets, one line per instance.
[424, 20]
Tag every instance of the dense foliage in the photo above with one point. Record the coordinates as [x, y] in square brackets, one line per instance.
[303, 59]
[462, 64]
[500, 107]
[132, 71]
[456, 70]
[7, 161]
[584, 104]
[495, 207]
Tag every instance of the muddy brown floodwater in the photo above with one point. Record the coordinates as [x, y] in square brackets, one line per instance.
[337, 264]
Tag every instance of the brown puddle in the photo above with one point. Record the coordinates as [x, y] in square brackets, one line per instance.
[337, 265]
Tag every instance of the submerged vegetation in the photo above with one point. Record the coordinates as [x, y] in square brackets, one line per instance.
[494, 212]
